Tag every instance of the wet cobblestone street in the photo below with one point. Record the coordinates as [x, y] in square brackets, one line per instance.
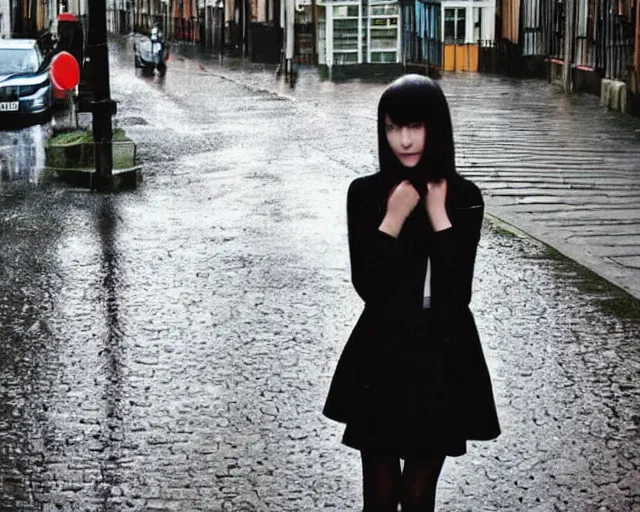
[171, 348]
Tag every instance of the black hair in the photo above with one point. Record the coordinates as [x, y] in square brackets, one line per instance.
[417, 99]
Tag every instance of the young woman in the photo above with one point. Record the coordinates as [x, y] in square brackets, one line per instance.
[412, 383]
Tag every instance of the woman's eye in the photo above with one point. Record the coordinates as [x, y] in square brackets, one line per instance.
[416, 126]
[389, 127]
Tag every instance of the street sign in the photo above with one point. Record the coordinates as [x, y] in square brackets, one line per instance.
[65, 71]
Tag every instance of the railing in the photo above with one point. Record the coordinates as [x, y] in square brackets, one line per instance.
[614, 51]
[187, 30]
[499, 57]
[585, 52]
[604, 42]
[427, 52]
[421, 41]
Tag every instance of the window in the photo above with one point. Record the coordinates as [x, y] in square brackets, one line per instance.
[346, 34]
[455, 25]
[346, 11]
[19, 60]
[383, 32]
[477, 23]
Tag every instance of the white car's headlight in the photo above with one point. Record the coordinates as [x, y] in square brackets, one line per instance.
[30, 90]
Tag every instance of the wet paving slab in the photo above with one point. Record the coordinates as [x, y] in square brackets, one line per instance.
[22, 153]
[170, 348]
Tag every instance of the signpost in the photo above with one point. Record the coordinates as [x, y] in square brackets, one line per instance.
[65, 76]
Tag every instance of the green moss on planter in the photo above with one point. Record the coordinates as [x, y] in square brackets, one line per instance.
[83, 137]
[75, 150]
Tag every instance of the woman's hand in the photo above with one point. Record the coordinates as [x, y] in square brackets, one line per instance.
[401, 202]
[435, 204]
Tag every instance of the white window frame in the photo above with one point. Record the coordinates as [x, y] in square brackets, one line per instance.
[370, 28]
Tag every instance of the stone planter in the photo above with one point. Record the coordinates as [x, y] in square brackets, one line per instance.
[71, 158]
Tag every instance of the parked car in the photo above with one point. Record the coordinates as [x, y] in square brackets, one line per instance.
[25, 86]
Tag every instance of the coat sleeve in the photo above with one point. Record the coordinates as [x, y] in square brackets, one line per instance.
[453, 258]
[374, 254]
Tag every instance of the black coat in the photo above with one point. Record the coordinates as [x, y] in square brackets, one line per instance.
[388, 274]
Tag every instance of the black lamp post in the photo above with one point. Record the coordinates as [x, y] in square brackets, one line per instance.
[102, 106]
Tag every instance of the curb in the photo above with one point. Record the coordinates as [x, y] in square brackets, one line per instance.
[619, 293]
[510, 228]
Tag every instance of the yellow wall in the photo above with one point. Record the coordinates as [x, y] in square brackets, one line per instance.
[460, 57]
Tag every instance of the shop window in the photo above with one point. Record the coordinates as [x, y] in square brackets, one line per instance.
[477, 23]
[383, 32]
[455, 25]
[346, 34]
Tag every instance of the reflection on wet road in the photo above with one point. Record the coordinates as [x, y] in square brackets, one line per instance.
[22, 154]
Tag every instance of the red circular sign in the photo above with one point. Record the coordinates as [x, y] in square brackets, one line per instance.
[65, 71]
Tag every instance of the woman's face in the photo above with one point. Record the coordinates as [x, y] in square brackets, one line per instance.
[407, 142]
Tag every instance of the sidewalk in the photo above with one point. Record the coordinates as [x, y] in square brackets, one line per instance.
[568, 175]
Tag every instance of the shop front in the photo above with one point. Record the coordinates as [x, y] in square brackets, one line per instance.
[359, 32]
[465, 24]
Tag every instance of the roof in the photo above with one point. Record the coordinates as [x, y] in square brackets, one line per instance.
[17, 44]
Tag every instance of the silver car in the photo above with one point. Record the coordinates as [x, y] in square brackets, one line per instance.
[25, 86]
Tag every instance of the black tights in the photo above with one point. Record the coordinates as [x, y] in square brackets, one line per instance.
[385, 486]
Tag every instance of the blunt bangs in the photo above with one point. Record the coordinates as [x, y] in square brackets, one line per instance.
[402, 109]
[417, 99]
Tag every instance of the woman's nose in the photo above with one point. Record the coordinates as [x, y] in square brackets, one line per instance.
[405, 138]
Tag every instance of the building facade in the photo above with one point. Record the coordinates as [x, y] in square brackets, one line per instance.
[466, 24]
[5, 19]
[27, 18]
[241, 27]
[578, 43]
[359, 32]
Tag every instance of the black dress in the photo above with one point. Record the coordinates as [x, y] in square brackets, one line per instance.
[413, 381]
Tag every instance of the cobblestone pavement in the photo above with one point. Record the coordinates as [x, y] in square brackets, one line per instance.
[170, 348]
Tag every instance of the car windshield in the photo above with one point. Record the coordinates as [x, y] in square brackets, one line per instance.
[18, 60]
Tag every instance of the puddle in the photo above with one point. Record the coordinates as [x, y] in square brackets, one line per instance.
[22, 154]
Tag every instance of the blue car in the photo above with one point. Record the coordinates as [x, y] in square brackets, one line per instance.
[26, 93]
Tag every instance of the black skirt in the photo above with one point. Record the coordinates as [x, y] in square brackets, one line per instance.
[408, 410]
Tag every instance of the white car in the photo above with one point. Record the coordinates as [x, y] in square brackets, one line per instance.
[25, 85]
